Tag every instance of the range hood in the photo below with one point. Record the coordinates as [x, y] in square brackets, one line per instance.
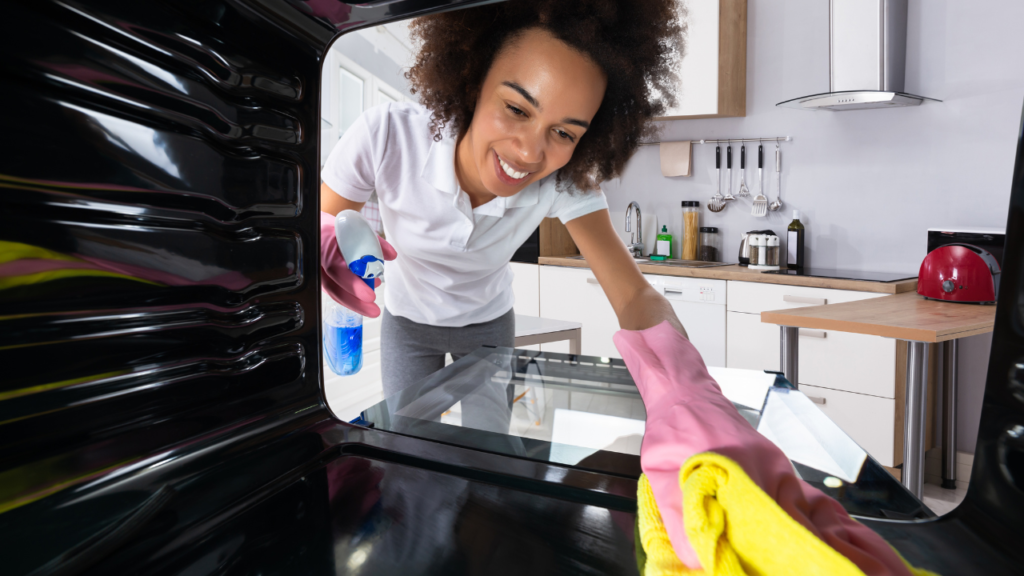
[867, 58]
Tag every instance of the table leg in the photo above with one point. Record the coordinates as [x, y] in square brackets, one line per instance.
[789, 349]
[949, 384]
[914, 417]
[576, 342]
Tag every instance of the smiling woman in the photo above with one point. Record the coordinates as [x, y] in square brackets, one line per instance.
[526, 107]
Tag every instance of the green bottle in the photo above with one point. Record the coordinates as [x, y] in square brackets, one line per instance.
[664, 243]
[795, 243]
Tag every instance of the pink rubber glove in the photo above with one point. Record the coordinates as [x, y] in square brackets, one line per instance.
[338, 281]
[687, 414]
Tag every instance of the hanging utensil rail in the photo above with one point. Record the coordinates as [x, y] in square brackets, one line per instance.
[728, 140]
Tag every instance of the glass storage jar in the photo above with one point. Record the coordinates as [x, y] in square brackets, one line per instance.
[691, 229]
[772, 256]
[710, 245]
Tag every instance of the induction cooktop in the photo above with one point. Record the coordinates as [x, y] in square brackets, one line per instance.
[845, 274]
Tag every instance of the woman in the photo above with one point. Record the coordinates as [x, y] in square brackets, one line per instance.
[527, 106]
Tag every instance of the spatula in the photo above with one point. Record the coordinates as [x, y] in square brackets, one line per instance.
[728, 179]
[744, 192]
[760, 207]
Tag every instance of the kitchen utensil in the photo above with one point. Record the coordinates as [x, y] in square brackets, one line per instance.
[959, 273]
[717, 202]
[777, 203]
[744, 192]
[728, 179]
[760, 207]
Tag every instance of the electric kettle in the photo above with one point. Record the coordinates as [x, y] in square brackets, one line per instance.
[744, 256]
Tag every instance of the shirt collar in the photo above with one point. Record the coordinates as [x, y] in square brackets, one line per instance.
[439, 168]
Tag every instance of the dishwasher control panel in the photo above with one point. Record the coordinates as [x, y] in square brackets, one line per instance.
[698, 290]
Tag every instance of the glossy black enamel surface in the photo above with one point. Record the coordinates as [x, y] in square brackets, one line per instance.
[160, 402]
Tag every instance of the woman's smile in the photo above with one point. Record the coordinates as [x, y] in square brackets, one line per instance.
[508, 173]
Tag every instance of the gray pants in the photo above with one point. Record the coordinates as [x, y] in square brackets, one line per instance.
[411, 351]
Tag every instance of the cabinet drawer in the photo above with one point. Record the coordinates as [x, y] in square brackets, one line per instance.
[868, 420]
[851, 362]
[838, 360]
[754, 298]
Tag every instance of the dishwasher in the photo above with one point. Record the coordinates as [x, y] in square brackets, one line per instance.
[700, 305]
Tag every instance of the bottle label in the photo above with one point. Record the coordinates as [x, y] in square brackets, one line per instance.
[791, 247]
[663, 248]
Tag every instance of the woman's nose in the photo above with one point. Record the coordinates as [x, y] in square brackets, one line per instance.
[530, 147]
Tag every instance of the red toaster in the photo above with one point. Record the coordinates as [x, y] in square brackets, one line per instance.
[959, 273]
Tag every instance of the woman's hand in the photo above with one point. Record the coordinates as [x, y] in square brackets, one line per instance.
[338, 281]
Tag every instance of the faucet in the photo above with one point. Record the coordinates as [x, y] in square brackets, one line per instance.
[636, 244]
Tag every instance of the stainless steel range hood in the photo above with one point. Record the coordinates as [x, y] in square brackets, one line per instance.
[867, 58]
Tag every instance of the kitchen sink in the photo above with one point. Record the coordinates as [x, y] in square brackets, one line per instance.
[673, 263]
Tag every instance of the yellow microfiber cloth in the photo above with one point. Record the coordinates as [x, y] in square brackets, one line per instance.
[735, 528]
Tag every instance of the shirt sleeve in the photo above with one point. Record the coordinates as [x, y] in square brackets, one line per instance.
[571, 204]
[351, 167]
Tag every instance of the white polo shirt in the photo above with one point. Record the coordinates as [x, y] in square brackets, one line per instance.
[452, 266]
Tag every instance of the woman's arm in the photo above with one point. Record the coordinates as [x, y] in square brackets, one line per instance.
[332, 202]
[637, 304]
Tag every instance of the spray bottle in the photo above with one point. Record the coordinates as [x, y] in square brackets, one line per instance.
[343, 328]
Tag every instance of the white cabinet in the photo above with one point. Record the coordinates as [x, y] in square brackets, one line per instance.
[838, 360]
[526, 288]
[868, 420]
[573, 294]
[852, 376]
[712, 73]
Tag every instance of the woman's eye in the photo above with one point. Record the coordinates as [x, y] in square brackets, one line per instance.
[565, 135]
[515, 110]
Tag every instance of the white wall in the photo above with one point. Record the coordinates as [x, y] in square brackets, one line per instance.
[869, 183]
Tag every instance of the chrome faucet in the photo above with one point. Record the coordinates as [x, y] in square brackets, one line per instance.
[636, 244]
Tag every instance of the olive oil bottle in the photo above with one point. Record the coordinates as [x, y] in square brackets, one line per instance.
[795, 242]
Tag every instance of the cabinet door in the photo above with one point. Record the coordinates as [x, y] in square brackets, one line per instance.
[751, 344]
[526, 288]
[573, 294]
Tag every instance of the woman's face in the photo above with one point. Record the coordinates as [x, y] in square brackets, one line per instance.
[537, 101]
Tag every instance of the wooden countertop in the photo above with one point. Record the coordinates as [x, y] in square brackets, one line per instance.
[744, 274]
[902, 316]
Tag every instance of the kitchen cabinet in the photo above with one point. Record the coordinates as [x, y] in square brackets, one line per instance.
[713, 73]
[526, 288]
[864, 418]
[573, 294]
[855, 375]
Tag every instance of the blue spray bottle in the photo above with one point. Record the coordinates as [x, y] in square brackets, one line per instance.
[343, 328]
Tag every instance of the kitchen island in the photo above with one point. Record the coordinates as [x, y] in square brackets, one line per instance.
[917, 321]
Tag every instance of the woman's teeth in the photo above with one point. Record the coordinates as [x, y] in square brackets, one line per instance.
[512, 173]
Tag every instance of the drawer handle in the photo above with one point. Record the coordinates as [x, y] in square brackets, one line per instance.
[671, 291]
[812, 333]
[593, 281]
[804, 300]
[817, 400]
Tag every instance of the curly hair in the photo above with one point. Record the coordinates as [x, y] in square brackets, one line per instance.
[637, 43]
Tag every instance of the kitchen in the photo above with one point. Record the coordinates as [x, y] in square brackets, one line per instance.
[171, 405]
[869, 184]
